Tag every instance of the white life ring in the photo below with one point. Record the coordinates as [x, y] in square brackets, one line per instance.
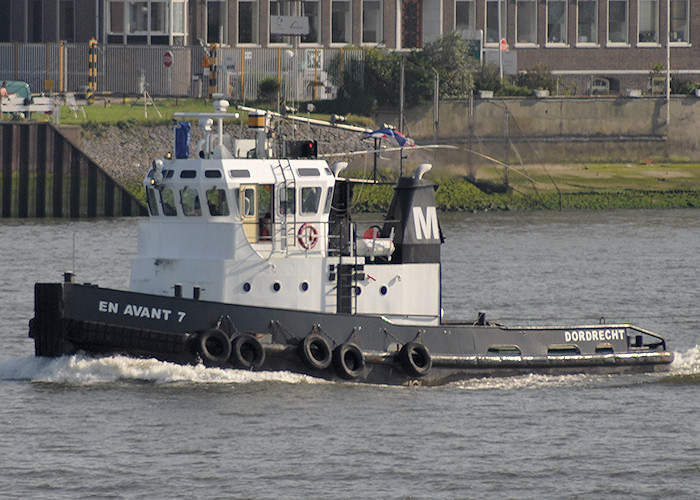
[307, 236]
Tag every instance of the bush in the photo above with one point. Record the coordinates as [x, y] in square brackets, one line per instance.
[487, 77]
[539, 77]
[268, 89]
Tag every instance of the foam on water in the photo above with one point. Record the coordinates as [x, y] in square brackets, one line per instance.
[85, 370]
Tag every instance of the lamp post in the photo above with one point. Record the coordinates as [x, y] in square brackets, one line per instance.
[668, 64]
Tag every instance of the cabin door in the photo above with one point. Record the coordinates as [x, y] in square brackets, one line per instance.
[249, 211]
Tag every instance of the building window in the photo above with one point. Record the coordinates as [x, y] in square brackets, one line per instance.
[617, 21]
[341, 22]
[66, 21]
[648, 21]
[215, 21]
[465, 17]
[587, 21]
[35, 21]
[556, 21]
[247, 21]
[138, 17]
[493, 34]
[679, 21]
[526, 22]
[153, 22]
[279, 8]
[372, 21]
[312, 10]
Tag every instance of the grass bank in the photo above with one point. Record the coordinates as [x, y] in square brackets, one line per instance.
[589, 186]
[569, 187]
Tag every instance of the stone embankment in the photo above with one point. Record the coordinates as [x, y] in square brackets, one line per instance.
[126, 152]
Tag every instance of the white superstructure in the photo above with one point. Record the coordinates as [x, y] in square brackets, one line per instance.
[232, 225]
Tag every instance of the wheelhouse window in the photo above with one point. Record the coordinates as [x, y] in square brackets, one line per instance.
[556, 22]
[312, 10]
[526, 22]
[189, 200]
[286, 201]
[372, 22]
[152, 201]
[247, 21]
[341, 21]
[310, 199]
[493, 35]
[617, 21]
[648, 21]
[167, 198]
[216, 200]
[465, 17]
[329, 200]
[587, 26]
[679, 21]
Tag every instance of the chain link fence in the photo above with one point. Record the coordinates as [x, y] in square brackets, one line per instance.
[302, 74]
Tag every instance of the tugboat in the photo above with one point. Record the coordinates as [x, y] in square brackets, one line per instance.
[252, 260]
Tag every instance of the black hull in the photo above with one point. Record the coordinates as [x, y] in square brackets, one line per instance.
[71, 318]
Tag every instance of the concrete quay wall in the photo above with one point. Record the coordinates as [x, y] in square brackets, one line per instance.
[557, 130]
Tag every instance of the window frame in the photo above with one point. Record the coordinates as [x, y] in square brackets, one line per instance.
[504, 23]
[528, 43]
[594, 30]
[656, 31]
[563, 25]
[378, 23]
[686, 39]
[347, 22]
[626, 22]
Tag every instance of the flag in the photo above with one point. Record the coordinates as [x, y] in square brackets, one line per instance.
[393, 135]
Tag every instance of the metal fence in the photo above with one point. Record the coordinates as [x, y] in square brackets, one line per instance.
[302, 73]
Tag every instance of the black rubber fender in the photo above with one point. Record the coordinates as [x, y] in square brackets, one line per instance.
[214, 347]
[315, 352]
[415, 359]
[348, 361]
[247, 352]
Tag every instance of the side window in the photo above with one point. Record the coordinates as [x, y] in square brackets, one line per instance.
[310, 198]
[248, 202]
[329, 200]
[189, 199]
[168, 199]
[216, 199]
[152, 201]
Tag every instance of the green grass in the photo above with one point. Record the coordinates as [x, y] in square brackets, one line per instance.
[132, 110]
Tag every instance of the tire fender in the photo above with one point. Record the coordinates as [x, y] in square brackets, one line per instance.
[348, 361]
[214, 347]
[247, 352]
[315, 352]
[415, 359]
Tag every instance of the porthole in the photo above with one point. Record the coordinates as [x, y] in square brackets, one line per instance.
[276, 287]
[246, 287]
[383, 290]
[358, 290]
[304, 286]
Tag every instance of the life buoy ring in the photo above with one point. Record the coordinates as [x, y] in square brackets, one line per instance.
[372, 233]
[415, 359]
[214, 347]
[247, 352]
[348, 361]
[315, 351]
[307, 236]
